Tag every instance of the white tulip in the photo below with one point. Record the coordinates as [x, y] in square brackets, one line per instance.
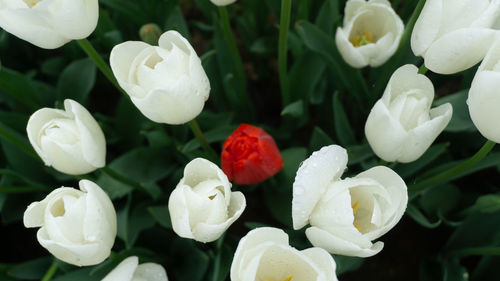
[49, 24]
[222, 2]
[130, 270]
[370, 34]
[77, 227]
[401, 125]
[346, 215]
[484, 98]
[166, 83]
[264, 254]
[202, 205]
[452, 36]
[69, 140]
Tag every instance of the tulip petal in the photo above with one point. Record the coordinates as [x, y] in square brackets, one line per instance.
[74, 19]
[92, 138]
[483, 104]
[396, 188]
[312, 180]
[426, 27]
[324, 261]
[179, 212]
[349, 53]
[123, 271]
[325, 240]
[150, 272]
[205, 232]
[459, 50]
[35, 213]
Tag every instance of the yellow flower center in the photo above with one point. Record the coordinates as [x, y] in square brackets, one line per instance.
[354, 211]
[31, 3]
[366, 37]
[288, 278]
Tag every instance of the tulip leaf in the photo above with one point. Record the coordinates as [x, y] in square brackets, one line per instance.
[319, 139]
[406, 170]
[139, 220]
[343, 129]
[129, 9]
[19, 88]
[190, 263]
[460, 120]
[305, 75]
[30, 270]
[420, 218]
[161, 215]
[76, 81]
[222, 263]
[359, 153]
[347, 264]
[328, 16]
[216, 135]
[78, 275]
[441, 199]
[295, 109]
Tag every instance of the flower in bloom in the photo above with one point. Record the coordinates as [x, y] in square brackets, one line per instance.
[222, 2]
[130, 270]
[401, 125]
[264, 254]
[49, 24]
[167, 82]
[69, 140]
[76, 226]
[346, 215]
[250, 155]
[452, 36]
[202, 205]
[484, 98]
[370, 34]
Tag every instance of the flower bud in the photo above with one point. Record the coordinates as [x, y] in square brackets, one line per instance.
[370, 34]
[264, 252]
[401, 126]
[69, 140]
[76, 226]
[130, 270]
[166, 83]
[250, 156]
[202, 205]
[150, 33]
[346, 215]
[49, 24]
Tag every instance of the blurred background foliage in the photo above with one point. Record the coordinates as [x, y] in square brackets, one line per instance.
[451, 231]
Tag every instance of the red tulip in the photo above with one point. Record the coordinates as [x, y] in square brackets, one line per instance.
[250, 156]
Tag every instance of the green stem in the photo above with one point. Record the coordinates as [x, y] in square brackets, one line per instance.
[477, 251]
[231, 42]
[465, 165]
[50, 272]
[100, 63]
[304, 9]
[422, 70]
[193, 124]
[286, 8]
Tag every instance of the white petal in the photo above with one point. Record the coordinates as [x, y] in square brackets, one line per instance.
[406, 79]
[123, 271]
[483, 102]
[122, 56]
[150, 272]
[323, 239]
[313, 178]
[397, 190]
[385, 134]
[222, 2]
[179, 213]
[250, 241]
[324, 261]
[426, 27]
[74, 19]
[205, 232]
[459, 50]
[92, 138]
[34, 215]
[351, 55]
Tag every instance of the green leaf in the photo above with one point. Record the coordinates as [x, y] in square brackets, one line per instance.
[78, 275]
[444, 198]
[161, 215]
[319, 139]
[343, 129]
[295, 109]
[305, 75]
[454, 271]
[189, 263]
[420, 218]
[460, 121]
[216, 135]
[19, 88]
[347, 264]
[31, 270]
[328, 16]
[77, 80]
[489, 203]
[139, 220]
[222, 261]
[406, 170]
[359, 153]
